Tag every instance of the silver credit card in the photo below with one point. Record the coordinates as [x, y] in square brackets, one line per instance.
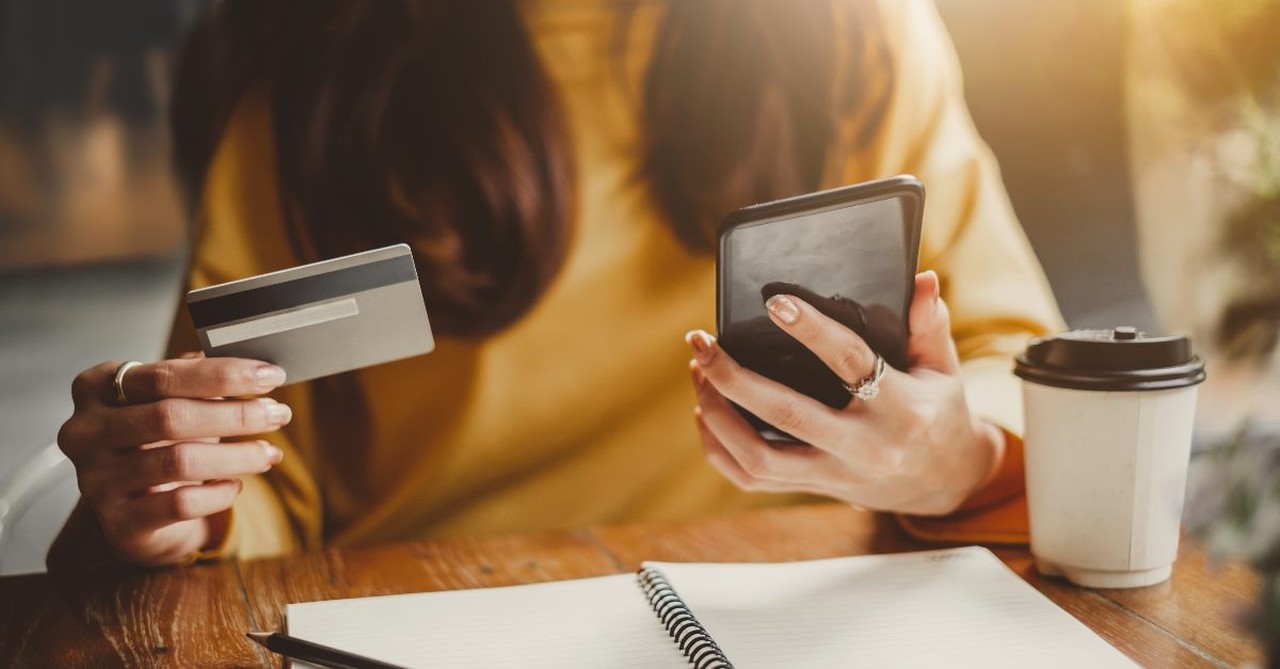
[319, 319]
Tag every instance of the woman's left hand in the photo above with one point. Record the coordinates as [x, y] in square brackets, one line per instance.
[915, 448]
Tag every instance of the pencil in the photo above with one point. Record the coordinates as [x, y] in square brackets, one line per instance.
[323, 656]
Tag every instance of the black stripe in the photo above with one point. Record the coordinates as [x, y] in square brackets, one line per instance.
[300, 292]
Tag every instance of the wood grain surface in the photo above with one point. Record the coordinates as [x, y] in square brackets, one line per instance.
[197, 616]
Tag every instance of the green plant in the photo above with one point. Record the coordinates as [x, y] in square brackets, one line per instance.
[1226, 59]
[1233, 506]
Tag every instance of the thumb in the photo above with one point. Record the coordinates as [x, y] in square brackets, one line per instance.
[931, 345]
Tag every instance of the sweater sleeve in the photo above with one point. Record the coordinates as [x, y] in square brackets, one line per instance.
[997, 293]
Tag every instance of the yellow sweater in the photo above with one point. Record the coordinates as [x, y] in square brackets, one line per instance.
[581, 412]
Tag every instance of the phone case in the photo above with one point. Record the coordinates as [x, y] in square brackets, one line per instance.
[828, 389]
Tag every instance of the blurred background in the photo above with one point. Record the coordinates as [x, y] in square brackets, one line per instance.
[1138, 140]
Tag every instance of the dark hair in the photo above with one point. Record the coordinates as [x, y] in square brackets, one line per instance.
[433, 122]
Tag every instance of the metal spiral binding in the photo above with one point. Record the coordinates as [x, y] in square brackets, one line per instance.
[680, 623]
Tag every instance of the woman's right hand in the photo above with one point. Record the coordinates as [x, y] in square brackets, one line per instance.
[154, 470]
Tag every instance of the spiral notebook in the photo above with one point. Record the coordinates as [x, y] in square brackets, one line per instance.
[958, 608]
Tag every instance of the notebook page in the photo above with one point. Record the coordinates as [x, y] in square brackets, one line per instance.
[595, 622]
[955, 608]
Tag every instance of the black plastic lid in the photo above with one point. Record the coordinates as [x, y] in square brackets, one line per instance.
[1119, 359]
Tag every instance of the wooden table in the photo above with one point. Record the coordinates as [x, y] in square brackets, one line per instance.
[197, 616]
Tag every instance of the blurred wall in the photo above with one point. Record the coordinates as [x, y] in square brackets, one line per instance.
[1045, 82]
[84, 150]
[91, 226]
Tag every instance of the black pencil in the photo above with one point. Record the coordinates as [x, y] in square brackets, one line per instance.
[324, 656]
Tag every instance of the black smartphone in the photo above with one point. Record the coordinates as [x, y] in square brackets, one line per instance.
[851, 252]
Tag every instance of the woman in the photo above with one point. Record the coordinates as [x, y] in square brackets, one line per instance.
[558, 168]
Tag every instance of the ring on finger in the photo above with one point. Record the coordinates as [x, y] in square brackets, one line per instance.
[868, 388]
[117, 381]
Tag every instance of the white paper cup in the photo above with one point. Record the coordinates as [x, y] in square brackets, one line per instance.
[1109, 417]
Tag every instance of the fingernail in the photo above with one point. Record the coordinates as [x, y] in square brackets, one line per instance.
[269, 376]
[274, 454]
[277, 413]
[937, 287]
[782, 307]
[701, 343]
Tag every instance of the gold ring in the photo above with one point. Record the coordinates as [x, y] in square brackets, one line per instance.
[117, 382]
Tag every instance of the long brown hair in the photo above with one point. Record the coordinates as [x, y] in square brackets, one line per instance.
[432, 122]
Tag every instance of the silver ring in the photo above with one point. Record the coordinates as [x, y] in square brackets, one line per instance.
[117, 382]
[868, 388]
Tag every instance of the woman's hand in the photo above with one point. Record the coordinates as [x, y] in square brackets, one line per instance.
[915, 448]
[153, 470]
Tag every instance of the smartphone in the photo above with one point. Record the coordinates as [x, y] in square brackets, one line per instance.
[851, 252]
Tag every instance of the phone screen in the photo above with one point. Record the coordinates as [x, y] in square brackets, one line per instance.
[855, 263]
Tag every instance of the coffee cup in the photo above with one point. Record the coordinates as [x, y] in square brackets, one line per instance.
[1109, 417]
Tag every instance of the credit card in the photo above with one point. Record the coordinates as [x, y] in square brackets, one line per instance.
[319, 319]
